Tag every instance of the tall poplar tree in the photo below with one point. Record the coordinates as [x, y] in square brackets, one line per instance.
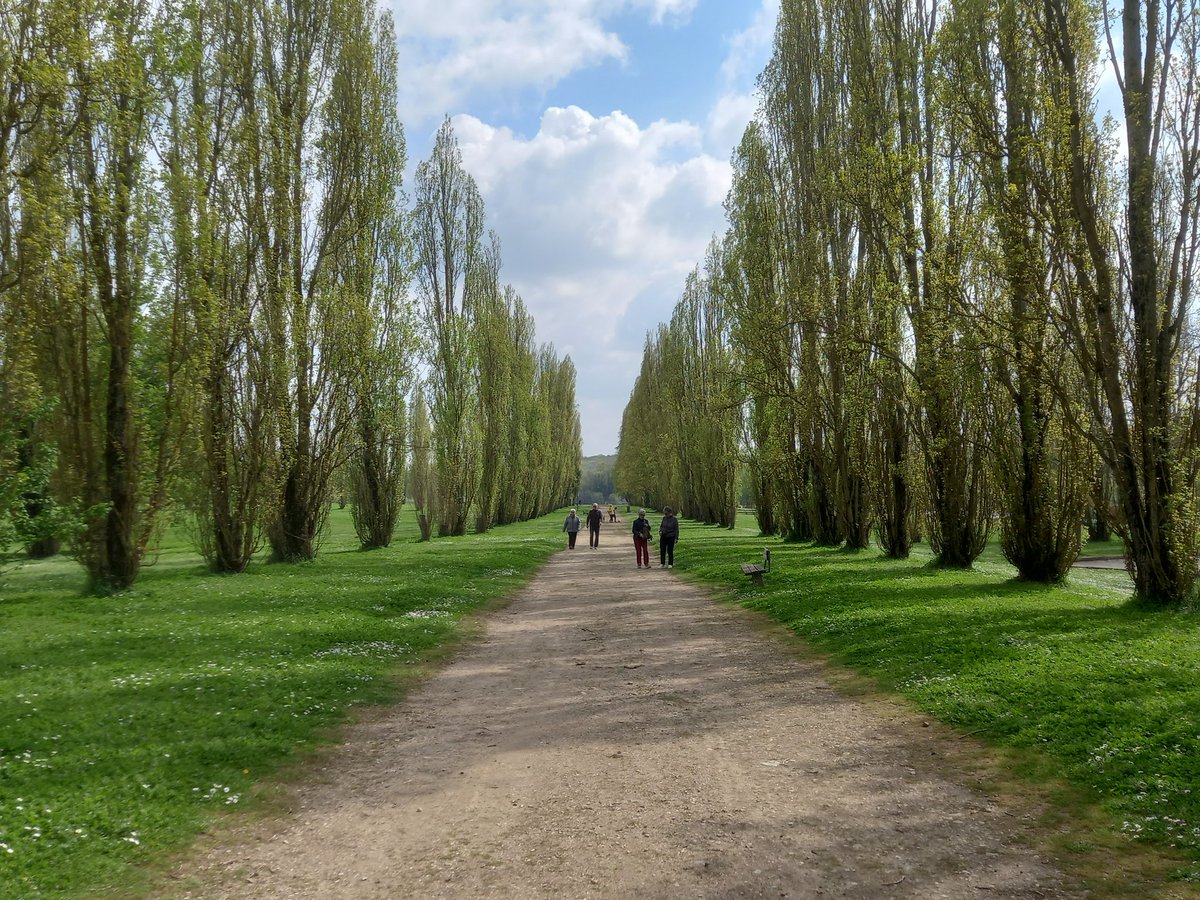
[1130, 289]
[114, 346]
[38, 40]
[374, 265]
[314, 202]
[447, 233]
[757, 320]
[215, 259]
[996, 81]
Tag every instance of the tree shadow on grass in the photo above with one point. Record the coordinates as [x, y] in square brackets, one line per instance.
[1108, 690]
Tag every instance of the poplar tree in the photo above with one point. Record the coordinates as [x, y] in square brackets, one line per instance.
[314, 203]
[521, 412]
[1038, 445]
[495, 355]
[376, 266]
[565, 433]
[113, 346]
[1129, 289]
[37, 40]
[757, 320]
[929, 201]
[216, 261]
[447, 231]
[795, 133]
[424, 470]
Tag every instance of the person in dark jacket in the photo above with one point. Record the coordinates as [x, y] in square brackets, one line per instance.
[594, 518]
[668, 534]
[571, 527]
[641, 539]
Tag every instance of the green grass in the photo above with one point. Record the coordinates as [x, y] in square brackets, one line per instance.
[1095, 691]
[127, 723]
[1114, 546]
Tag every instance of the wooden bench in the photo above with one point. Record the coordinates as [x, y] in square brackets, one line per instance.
[755, 573]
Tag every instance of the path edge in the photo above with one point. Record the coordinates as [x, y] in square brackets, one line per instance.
[1064, 823]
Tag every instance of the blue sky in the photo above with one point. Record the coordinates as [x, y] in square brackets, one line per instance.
[600, 133]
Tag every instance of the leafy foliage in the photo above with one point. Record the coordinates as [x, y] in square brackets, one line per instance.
[927, 322]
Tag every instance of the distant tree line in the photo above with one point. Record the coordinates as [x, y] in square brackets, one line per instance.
[596, 480]
[207, 293]
[951, 297]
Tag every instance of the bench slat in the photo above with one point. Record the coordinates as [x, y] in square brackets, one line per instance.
[752, 570]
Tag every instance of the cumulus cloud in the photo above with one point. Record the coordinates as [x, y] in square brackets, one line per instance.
[746, 48]
[748, 51]
[601, 220]
[601, 217]
[454, 49]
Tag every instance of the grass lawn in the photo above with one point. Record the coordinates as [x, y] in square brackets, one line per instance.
[1114, 546]
[1101, 694]
[127, 723]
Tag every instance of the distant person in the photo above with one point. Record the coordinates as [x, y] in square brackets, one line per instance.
[612, 513]
[641, 539]
[571, 527]
[594, 518]
[668, 534]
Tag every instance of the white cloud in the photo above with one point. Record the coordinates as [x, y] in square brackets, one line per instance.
[601, 220]
[749, 50]
[601, 217]
[454, 49]
[748, 47]
[728, 118]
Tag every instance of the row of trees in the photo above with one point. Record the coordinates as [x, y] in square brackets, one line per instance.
[506, 437]
[207, 291]
[950, 294]
[680, 429]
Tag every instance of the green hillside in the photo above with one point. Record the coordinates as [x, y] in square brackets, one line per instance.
[596, 479]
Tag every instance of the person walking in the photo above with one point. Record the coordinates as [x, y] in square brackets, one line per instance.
[594, 518]
[641, 539]
[668, 534]
[571, 527]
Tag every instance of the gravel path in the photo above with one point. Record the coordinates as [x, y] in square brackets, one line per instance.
[618, 734]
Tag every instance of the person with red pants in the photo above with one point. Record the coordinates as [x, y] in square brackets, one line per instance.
[594, 518]
[641, 539]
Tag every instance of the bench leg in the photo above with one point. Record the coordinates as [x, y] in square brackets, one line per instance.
[757, 578]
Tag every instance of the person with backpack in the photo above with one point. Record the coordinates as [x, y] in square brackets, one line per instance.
[668, 534]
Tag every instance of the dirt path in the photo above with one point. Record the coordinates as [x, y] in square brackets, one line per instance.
[617, 734]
